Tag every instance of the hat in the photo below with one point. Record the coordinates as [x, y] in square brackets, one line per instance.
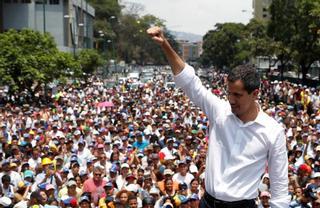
[318, 148]
[65, 170]
[49, 186]
[182, 162]
[108, 184]
[113, 169]
[77, 132]
[130, 175]
[71, 183]
[46, 161]
[170, 139]
[316, 175]
[83, 199]
[311, 191]
[305, 167]
[194, 197]
[125, 165]
[81, 141]
[154, 190]
[168, 172]
[140, 154]
[265, 193]
[28, 174]
[72, 201]
[132, 188]
[183, 186]
[5, 201]
[193, 169]
[148, 201]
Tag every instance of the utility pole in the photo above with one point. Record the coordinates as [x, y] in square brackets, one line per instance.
[44, 15]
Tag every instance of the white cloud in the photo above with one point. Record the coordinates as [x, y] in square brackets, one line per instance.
[198, 16]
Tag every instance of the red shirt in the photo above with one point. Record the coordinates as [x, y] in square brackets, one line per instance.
[96, 190]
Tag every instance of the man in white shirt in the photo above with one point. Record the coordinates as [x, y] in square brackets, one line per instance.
[183, 176]
[242, 137]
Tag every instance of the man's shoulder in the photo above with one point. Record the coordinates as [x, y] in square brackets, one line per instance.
[269, 122]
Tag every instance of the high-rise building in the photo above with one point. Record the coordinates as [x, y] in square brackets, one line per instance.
[70, 22]
[191, 51]
[261, 9]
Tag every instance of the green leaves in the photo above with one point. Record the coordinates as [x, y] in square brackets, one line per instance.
[28, 57]
[223, 45]
[89, 60]
[295, 25]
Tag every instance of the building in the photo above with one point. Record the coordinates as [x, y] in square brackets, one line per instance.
[191, 51]
[70, 22]
[261, 9]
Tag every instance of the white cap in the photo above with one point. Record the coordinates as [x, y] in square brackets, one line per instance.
[125, 165]
[193, 169]
[132, 188]
[5, 201]
[168, 172]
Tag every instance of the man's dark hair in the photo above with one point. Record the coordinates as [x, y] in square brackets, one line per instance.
[5, 178]
[248, 75]
[132, 196]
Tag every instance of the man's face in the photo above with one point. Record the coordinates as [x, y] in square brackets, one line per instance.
[240, 101]
[97, 176]
[133, 203]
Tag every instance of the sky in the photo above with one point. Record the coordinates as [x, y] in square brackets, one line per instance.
[197, 16]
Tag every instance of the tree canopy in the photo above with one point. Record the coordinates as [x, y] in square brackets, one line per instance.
[29, 58]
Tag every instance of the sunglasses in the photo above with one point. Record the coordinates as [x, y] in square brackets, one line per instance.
[97, 174]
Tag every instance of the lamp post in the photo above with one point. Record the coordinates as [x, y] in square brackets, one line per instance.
[71, 28]
[44, 15]
[113, 54]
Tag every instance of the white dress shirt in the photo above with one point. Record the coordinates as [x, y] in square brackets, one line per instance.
[238, 152]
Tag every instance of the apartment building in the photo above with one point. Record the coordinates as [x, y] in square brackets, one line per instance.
[70, 22]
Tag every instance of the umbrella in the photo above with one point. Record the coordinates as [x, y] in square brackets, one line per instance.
[105, 104]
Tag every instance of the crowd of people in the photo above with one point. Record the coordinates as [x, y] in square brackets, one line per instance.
[143, 147]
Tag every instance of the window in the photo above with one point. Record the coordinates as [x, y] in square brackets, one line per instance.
[41, 1]
[26, 1]
[15, 1]
[264, 16]
[54, 2]
[7, 1]
[265, 9]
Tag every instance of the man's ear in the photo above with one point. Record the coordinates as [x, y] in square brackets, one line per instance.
[255, 93]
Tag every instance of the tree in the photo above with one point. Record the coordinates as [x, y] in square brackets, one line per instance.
[222, 46]
[29, 59]
[295, 24]
[90, 60]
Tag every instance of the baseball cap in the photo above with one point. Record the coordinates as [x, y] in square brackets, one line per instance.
[83, 199]
[71, 183]
[49, 186]
[130, 176]
[5, 201]
[28, 174]
[194, 197]
[183, 186]
[108, 184]
[125, 165]
[132, 188]
[168, 172]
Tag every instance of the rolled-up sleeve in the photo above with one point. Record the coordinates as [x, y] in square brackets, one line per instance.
[278, 172]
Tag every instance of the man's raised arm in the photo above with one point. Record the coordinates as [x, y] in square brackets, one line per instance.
[177, 64]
